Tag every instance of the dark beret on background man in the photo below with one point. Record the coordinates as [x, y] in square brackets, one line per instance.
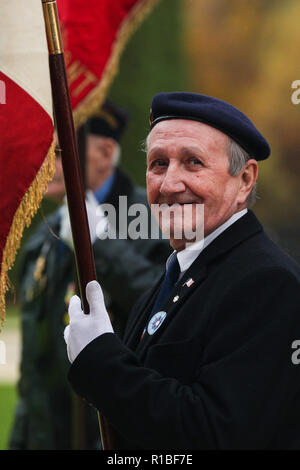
[109, 121]
[210, 367]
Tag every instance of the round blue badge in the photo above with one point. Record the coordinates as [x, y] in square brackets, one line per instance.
[155, 322]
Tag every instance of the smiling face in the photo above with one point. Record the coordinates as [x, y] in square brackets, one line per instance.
[187, 163]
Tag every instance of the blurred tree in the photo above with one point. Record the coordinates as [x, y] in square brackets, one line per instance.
[279, 58]
[222, 40]
[247, 53]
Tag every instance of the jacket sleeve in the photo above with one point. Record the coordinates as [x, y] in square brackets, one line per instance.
[241, 389]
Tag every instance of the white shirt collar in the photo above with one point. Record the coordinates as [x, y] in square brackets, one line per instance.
[187, 256]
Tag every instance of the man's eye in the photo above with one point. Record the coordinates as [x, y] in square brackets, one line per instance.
[156, 163]
[195, 161]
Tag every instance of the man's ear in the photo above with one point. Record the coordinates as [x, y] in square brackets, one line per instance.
[248, 179]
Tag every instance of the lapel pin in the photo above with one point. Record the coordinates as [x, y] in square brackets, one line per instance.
[175, 298]
[189, 282]
[156, 322]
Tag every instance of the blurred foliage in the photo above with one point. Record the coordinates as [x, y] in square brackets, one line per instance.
[8, 400]
[247, 53]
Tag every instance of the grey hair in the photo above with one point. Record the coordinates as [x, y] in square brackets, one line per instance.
[238, 158]
[144, 144]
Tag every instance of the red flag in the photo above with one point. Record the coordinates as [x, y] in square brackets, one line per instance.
[26, 125]
[94, 35]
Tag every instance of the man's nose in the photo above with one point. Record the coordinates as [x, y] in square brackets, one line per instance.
[172, 182]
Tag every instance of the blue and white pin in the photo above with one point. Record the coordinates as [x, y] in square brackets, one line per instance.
[156, 322]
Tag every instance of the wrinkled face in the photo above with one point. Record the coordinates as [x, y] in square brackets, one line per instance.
[187, 163]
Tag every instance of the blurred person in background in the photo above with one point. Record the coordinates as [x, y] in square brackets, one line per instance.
[44, 416]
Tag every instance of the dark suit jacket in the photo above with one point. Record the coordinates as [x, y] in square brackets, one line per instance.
[218, 373]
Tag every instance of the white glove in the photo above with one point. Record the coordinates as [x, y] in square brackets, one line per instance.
[98, 222]
[84, 328]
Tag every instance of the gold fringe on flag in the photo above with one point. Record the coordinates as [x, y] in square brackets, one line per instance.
[94, 99]
[22, 218]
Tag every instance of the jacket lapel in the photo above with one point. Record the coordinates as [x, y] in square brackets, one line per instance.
[183, 288]
[241, 230]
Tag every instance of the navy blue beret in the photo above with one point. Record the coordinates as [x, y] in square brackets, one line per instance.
[214, 112]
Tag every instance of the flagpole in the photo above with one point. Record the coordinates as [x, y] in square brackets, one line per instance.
[84, 258]
[82, 148]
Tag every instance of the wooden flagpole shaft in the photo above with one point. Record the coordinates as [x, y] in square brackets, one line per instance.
[70, 159]
[82, 148]
[85, 264]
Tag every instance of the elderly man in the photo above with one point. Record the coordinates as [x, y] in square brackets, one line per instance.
[206, 361]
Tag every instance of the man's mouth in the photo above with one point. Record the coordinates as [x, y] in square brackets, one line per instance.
[180, 203]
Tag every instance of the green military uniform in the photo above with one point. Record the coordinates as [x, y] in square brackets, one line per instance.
[125, 268]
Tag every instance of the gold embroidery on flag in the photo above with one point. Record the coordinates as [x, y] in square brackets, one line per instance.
[94, 99]
[89, 78]
[74, 71]
[77, 72]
